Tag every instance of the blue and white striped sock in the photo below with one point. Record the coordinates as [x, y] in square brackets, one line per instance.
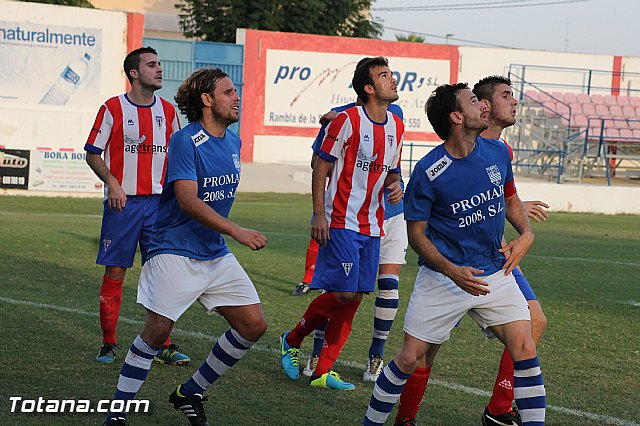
[529, 392]
[228, 350]
[134, 372]
[384, 312]
[386, 393]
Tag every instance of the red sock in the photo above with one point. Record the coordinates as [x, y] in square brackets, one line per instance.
[168, 341]
[310, 261]
[335, 336]
[502, 397]
[412, 394]
[318, 311]
[110, 300]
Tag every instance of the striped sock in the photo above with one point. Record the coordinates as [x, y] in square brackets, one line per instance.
[384, 312]
[386, 392]
[133, 373]
[528, 388]
[228, 350]
[318, 339]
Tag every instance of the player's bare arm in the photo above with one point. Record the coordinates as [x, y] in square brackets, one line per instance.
[464, 276]
[327, 117]
[536, 210]
[518, 248]
[187, 196]
[319, 226]
[392, 182]
[116, 198]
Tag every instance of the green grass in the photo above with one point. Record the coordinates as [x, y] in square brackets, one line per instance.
[584, 268]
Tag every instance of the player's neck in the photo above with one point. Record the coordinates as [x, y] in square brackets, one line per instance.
[140, 96]
[376, 111]
[214, 127]
[460, 145]
[493, 132]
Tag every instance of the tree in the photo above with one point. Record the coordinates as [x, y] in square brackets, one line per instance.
[414, 38]
[76, 3]
[217, 20]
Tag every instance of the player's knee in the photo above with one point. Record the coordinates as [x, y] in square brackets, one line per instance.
[253, 329]
[407, 361]
[525, 349]
[116, 273]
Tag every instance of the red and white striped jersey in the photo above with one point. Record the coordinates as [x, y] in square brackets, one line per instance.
[363, 153]
[134, 140]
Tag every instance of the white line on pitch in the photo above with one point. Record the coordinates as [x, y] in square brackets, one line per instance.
[259, 348]
[630, 302]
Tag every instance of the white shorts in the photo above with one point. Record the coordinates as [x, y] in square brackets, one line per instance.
[393, 246]
[437, 304]
[169, 284]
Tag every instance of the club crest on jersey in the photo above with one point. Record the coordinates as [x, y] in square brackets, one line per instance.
[347, 267]
[159, 120]
[200, 138]
[494, 174]
[390, 139]
[106, 244]
[437, 168]
[236, 161]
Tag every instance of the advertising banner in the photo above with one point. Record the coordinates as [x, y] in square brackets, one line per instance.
[14, 168]
[65, 171]
[49, 64]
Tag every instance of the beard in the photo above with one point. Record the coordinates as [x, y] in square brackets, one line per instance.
[228, 117]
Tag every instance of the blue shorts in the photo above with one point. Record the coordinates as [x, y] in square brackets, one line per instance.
[349, 262]
[524, 285]
[123, 231]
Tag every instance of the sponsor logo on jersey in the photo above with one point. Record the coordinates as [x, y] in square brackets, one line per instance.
[130, 141]
[137, 146]
[437, 168]
[159, 120]
[494, 174]
[368, 164]
[96, 130]
[200, 138]
[347, 267]
[477, 199]
[236, 161]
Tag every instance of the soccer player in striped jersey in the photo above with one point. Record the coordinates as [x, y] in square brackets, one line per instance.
[497, 93]
[133, 131]
[361, 151]
[455, 206]
[188, 257]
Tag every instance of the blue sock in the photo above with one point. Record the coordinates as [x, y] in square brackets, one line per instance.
[318, 339]
[384, 312]
[529, 391]
[133, 373]
[228, 350]
[386, 393]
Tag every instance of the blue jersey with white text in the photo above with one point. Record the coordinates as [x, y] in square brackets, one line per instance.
[390, 210]
[214, 163]
[463, 201]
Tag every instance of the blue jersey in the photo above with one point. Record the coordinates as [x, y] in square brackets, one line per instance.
[214, 163]
[463, 201]
[390, 210]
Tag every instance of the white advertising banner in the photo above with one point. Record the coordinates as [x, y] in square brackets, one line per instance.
[297, 95]
[65, 171]
[49, 64]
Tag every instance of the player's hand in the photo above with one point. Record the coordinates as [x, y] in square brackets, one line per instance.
[250, 238]
[519, 248]
[535, 210]
[116, 198]
[320, 229]
[328, 117]
[395, 196]
[465, 278]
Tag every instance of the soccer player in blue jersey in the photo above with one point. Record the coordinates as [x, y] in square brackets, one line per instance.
[455, 206]
[188, 258]
[393, 247]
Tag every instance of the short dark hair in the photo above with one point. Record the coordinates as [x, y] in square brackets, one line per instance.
[362, 75]
[132, 61]
[442, 102]
[188, 96]
[485, 88]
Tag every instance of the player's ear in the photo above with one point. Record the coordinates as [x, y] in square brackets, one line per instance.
[456, 117]
[369, 89]
[207, 99]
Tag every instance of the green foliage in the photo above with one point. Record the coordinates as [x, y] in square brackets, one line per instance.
[583, 267]
[217, 20]
[414, 38]
[76, 3]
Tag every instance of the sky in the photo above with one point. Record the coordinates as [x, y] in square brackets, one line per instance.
[610, 27]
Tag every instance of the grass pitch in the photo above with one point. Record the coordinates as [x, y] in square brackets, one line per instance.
[584, 269]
